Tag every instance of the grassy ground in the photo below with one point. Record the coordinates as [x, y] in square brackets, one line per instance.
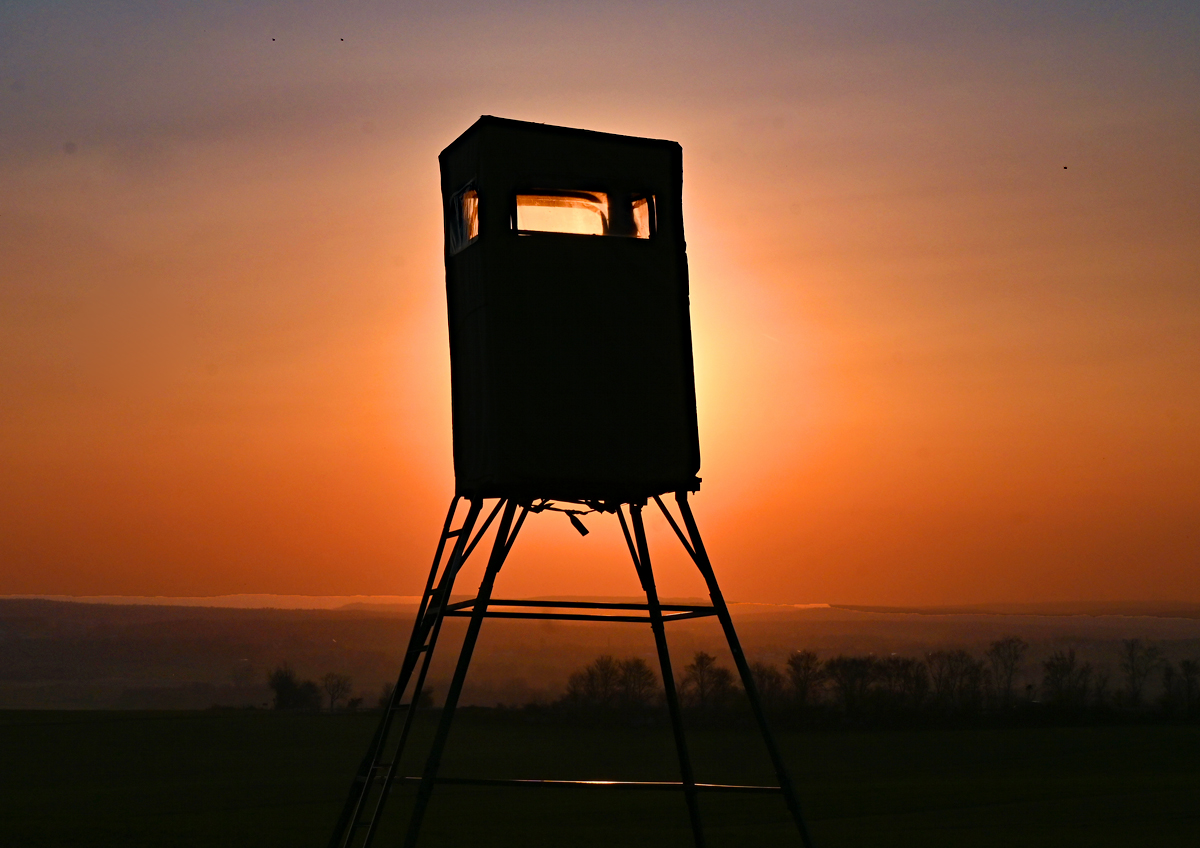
[254, 778]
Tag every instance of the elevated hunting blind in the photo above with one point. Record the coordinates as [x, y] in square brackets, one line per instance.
[570, 339]
[571, 380]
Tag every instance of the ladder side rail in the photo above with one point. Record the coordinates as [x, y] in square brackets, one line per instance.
[424, 622]
[486, 524]
[441, 594]
[362, 781]
[423, 607]
[422, 641]
[500, 548]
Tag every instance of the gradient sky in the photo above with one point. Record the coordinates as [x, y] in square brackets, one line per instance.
[945, 285]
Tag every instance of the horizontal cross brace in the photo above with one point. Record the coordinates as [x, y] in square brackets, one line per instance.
[497, 602]
[674, 612]
[531, 783]
[563, 616]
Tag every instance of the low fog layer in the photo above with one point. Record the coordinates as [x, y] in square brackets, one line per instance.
[88, 656]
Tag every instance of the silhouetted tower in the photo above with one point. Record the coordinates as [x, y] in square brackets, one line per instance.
[573, 391]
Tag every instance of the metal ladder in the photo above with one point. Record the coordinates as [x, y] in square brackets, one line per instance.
[356, 826]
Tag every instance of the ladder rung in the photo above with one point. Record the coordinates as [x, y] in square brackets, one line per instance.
[595, 784]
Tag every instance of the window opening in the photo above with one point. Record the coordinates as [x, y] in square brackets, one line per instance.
[462, 219]
[588, 213]
[643, 216]
[584, 213]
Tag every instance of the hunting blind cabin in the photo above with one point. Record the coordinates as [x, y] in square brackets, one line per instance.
[573, 391]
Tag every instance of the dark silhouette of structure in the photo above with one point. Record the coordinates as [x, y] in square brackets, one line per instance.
[573, 390]
[570, 341]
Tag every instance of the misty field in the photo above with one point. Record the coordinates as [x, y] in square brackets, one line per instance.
[215, 778]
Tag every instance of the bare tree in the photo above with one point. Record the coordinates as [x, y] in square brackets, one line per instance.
[1004, 657]
[292, 693]
[1100, 680]
[806, 674]
[336, 686]
[597, 684]
[385, 695]
[636, 683]
[705, 683]
[852, 678]
[768, 680]
[958, 679]
[902, 682]
[1066, 680]
[1189, 673]
[1138, 661]
[284, 684]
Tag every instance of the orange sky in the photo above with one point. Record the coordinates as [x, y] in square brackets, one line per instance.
[933, 364]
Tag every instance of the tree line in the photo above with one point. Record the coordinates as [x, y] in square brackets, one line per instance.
[949, 683]
[332, 693]
[943, 684]
[292, 693]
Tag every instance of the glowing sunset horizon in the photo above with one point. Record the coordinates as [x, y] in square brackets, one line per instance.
[943, 272]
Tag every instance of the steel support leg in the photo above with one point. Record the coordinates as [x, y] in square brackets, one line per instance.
[641, 561]
[360, 790]
[700, 557]
[500, 548]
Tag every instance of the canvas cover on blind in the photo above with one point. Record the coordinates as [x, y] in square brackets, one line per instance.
[570, 339]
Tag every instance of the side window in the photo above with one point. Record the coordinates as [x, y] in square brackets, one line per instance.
[643, 215]
[462, 219]
[586, 213]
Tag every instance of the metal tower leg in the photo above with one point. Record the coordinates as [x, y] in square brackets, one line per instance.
[700, 557]
[357, 826]
[500, 548]
[641, 561]
[374, 777]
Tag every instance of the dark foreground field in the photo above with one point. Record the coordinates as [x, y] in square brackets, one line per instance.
[229, 779]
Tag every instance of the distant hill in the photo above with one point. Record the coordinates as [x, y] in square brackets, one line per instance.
[1157, 609]
[107, 655]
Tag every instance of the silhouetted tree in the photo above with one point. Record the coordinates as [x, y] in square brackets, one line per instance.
[1138, 661]
[1171, 699]
[597, 684]
[385, 695]
[636, 683]
[1189, 675]
[958, 680]
[706, 684]
[768, 680]
[901, 683]
[1100, 693]
[806, 675]
[1065, 680]
[852, 678]
[1004, 657]
[291, 693]
[284, 684]
[336, 686]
